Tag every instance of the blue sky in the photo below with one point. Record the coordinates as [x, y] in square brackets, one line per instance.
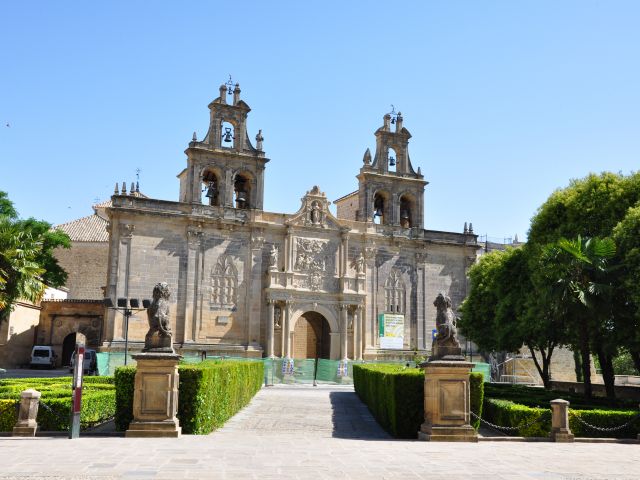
[506, 100]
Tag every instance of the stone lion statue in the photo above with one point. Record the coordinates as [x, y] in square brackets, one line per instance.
[159, 337]
[446, 341]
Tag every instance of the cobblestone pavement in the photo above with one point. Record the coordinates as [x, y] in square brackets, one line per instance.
[309, 433]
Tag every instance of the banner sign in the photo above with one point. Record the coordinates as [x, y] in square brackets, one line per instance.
[391, 330]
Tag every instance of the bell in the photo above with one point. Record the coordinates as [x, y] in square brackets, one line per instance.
[378, 212]
[241, 197]
[393, 120]
[227, 135]
[404, 215]
[211, 191]
[392, 161]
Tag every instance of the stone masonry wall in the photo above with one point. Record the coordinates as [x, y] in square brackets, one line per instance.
[86, 265]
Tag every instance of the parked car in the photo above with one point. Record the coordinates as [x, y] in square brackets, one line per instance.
[43, 356]
[90, 362]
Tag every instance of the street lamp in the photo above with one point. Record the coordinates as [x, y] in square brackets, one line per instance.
[127, 311]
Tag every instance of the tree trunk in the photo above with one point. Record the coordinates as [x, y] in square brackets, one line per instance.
[543, 370]
[578, 365]
[635, 356]
[606, 363]
[585, 352]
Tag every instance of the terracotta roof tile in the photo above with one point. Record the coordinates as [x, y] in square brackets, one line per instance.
[86, 229]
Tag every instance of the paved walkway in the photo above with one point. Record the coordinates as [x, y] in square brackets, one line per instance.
[309, 433]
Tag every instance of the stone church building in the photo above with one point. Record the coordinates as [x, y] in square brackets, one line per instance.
[309, 284]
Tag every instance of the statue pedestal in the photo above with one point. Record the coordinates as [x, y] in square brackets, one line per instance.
[155, 398]
[447, 402]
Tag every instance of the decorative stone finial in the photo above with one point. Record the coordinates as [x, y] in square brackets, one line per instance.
[387, 122]
[124, 188]
[367, 157]
[223, 93]
[466, 229]
[115, 190]
[194, 138]
[399, 122]
[470, 228]
[236, 94]
[259, 140]
[132, 190]
[419, 171]
[515, 240]
[137, 187]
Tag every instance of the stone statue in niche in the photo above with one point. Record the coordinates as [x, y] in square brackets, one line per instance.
[316, 213]
[445, 345]
[358, 263]
[259, 140]
[273, 258]
[159, 338]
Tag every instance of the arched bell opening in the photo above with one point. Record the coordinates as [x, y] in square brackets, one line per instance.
[392, 160]
[380, 208]
[407, 211]
[228, 135]
[210, 188]
[242, 191]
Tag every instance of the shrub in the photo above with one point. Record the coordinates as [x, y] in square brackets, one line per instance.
[476, 387]
[509, 414]
[98, 401]
[395, 396]
[506, 413]
[210, 393]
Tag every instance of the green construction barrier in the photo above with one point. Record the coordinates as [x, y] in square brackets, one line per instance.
[484, 369]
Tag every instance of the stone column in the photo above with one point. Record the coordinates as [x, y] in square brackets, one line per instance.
[26, 425]
[155, 396]
[270, 327]
[286, 330]
[560, 431]
[343, 332]
[447, 402]
[357, 332]
[191, 281]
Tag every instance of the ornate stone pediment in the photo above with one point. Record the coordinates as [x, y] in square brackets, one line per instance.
[314, 211]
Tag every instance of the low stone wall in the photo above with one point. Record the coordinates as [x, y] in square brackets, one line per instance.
[622, 391]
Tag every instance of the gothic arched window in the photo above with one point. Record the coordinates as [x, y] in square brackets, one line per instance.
[394, 292]
[224, 283]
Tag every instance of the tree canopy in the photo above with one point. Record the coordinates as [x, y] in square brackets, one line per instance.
[27, 263]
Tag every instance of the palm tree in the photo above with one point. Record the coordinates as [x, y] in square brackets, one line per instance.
[20, 273]
[580, 267]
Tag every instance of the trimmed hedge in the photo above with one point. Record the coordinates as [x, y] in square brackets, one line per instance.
[395, 396]
[540, 397]
[210, 393]
[98, 401]
[509, 414]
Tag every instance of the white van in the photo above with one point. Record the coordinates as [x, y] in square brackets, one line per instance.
[90, 362]
[43, 356]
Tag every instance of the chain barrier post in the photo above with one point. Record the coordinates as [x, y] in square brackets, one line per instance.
[26, 425]
[560, 431]
[76, 396]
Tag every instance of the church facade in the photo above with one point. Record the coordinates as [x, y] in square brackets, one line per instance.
[248, 282]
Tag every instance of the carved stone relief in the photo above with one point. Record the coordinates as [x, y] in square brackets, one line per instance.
[224, 284]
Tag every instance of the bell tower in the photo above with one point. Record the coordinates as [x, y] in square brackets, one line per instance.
[225, 169]
[390, 192]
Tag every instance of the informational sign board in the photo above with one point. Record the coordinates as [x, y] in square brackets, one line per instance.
[391, 330]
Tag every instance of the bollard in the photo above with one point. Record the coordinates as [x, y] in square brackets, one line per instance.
[560, 431]
[27, 425]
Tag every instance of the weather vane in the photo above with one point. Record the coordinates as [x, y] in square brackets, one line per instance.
[229, 85]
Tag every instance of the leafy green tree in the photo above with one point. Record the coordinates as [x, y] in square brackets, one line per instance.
[627, 237]
[504, 311]
[27, 263]
[584, 294]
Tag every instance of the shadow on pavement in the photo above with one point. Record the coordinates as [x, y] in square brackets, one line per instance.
[352, 419]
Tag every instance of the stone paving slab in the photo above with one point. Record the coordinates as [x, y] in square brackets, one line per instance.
[309, 433]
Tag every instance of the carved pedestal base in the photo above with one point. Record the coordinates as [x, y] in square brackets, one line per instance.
[155, 398]
[27, 425]
[446, 402]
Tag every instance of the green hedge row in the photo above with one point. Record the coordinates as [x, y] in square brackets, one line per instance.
[98, 401]
[509, 414]
[540, 397]
[395, 396]
[210, 393]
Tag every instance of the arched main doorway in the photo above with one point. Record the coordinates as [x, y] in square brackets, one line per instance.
[311, 337]
[69, 346]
